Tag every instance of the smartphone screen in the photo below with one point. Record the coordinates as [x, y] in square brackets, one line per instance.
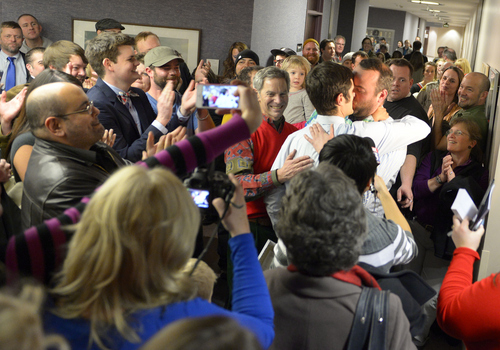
[200, 197]
[217, 96]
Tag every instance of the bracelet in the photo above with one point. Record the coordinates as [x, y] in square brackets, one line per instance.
[439, 181]
[202, 119]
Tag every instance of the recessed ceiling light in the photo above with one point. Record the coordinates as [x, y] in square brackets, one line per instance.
[425, 2]
[432, 11]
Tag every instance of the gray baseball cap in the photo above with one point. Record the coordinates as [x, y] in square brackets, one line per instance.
[160, 56]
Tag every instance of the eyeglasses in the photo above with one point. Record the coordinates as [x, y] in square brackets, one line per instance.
[89, 109]
[278, 61]
[456, 132]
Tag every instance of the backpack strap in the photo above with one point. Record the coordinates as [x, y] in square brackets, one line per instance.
[369, 326]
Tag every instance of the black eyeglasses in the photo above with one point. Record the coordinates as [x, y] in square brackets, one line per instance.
[89, 109]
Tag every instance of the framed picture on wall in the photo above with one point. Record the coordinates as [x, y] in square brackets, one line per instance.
[186, 41]
[486, 69]
[378, 33]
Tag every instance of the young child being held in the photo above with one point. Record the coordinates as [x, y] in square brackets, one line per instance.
[299, 107]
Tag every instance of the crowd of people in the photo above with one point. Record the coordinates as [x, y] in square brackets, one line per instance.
[343, 167]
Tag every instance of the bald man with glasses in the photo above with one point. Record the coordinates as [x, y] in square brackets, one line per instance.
[68, 160]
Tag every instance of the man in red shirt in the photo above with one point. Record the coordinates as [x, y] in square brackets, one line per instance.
[251, 160]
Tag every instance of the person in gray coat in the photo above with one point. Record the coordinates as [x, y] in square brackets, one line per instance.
[323, 225]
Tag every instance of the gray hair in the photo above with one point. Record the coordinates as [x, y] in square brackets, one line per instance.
[338, 37]
[322, 221]
[450, 54]
[270, 73]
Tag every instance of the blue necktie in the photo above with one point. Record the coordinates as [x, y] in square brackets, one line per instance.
[10, 80]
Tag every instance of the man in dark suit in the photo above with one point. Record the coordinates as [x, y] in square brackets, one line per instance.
[124, 109]
[13, 70]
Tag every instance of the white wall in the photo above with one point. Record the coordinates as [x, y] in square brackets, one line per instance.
[325, 23]
[489, 52]
[451, 37]
[334, 18]
[421, 30]
[361, 23]
[411, 27]
[275, 25]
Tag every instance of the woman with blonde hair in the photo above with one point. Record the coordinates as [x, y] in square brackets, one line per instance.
[123, 280]
[464, 65]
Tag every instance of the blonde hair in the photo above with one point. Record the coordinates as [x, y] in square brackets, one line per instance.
[295, 61]
[21, 324]
[464, 65]
[203, 276]
[127, 254]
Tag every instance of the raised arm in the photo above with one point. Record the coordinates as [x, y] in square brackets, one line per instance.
[9, 110]
[465, 310]
[30, 259]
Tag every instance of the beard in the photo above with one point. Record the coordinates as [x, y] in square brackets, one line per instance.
[313, 59]
[11, 48]
[162, 82]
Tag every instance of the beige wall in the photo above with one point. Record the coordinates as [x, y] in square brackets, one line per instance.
[451, 37]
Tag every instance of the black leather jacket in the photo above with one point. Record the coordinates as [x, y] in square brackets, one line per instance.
[59, 176]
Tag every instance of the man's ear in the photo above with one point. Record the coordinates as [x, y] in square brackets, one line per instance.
[339, 99]
[382, 97]
[150, 72]
[484, 96]
[108, 64]
[54, 126]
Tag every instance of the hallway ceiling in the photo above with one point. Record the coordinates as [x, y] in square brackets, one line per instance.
[454, 12]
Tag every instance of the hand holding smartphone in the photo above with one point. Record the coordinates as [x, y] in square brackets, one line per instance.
[216, 96]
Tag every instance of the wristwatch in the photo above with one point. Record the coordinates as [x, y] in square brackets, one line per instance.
[439, 181]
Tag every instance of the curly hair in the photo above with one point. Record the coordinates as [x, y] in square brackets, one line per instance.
[322, 221]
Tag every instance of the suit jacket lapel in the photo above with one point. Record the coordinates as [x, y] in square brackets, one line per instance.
[117, 104]
[139, 106]
[113, 98]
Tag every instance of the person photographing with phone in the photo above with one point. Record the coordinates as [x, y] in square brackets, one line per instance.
[466, 310]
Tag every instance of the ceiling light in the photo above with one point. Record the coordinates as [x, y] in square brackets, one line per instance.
[425, 2]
